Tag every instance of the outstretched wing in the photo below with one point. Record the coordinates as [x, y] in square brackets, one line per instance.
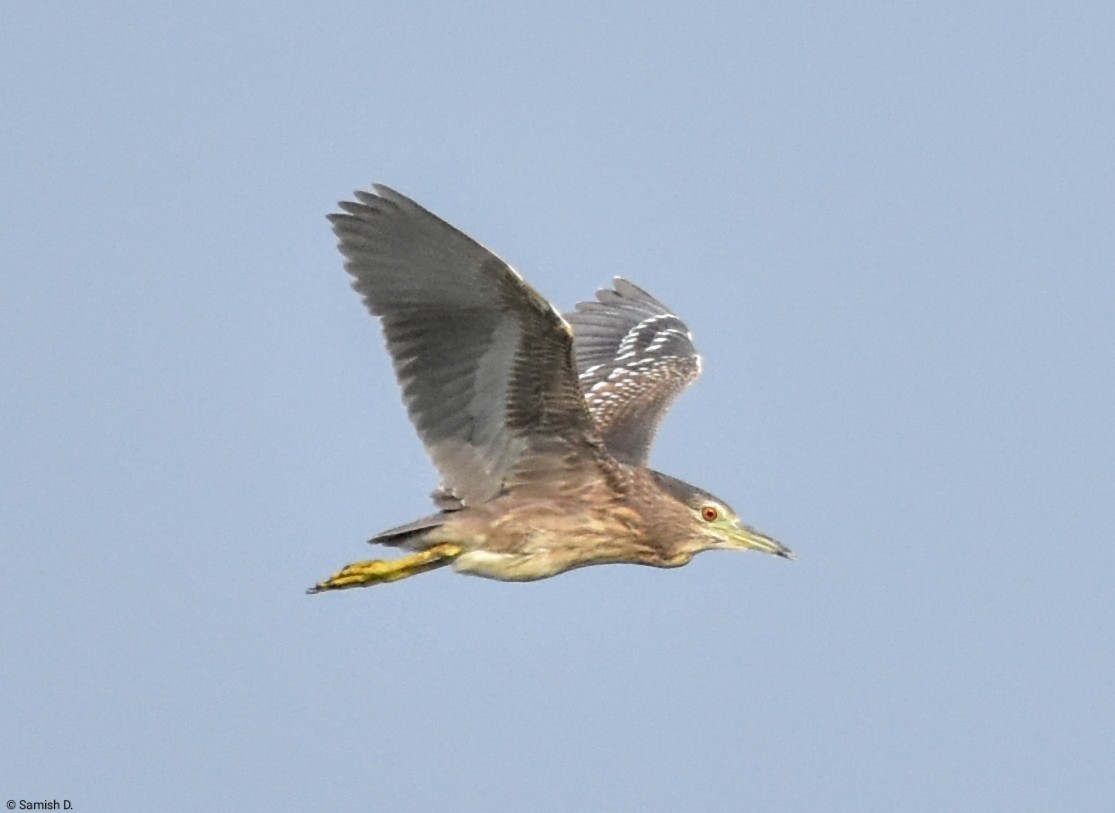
[484, 362]
[634, 357]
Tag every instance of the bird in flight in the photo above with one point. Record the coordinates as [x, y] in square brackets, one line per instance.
[539, 424]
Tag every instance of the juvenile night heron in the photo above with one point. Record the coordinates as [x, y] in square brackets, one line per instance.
[539, 425]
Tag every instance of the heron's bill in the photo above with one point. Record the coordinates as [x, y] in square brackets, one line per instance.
[749, 539]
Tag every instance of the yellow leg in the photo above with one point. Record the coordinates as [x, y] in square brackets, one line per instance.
[378, 571]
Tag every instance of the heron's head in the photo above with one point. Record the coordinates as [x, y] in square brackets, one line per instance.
[715, 525]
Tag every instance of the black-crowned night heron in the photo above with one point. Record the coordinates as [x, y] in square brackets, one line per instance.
[539, 425]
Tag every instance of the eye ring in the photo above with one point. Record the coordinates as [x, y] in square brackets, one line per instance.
[709, 513]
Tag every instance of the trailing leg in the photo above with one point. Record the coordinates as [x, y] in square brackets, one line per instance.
[378, 571]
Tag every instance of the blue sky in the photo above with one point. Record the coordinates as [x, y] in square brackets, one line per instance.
[890, 229]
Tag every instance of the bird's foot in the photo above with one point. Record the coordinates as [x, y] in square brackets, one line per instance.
[378, 571]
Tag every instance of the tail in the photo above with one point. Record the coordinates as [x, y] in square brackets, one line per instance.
[411, 536]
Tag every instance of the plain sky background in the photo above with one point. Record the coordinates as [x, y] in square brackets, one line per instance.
[891, 228]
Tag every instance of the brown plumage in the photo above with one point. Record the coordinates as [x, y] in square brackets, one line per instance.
[539, 425]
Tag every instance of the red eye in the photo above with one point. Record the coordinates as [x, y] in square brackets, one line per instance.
[709, 513]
